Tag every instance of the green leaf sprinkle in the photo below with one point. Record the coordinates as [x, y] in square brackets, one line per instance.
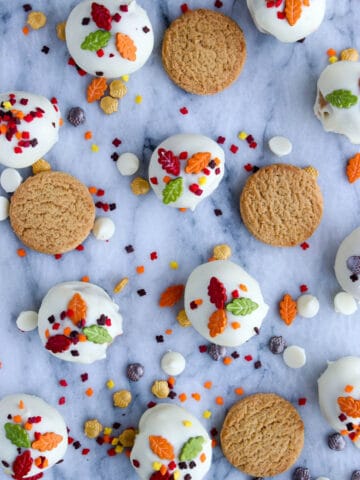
[96, 40]
[342, 98]
[191, 448]
[97, 334]
[173, 190]
[241, 306]
[17, 435]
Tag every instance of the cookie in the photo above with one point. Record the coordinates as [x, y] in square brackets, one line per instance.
[52, 212]
[203, 51]
[281, 205]
[262, 435]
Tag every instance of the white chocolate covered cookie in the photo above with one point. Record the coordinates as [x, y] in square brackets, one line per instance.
[109, 38]
[33, 435]
[347, 263]
[78, 321]
[288, 24]
[29, 126]
[171, 441]
[337, 103]
[224, 303]
[339, 396]
[186, 168]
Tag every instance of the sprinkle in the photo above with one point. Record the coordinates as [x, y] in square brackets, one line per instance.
[302, 401]
[196, 396]
[304, 245]
[89, 392]
[220, 140]
[218, 212]
[184, 111]
[218, 3]
[25, 30]
[303, 288]
[227, 360]
[141, 292]
[21, 252]
[248, 167]
[348, 388]
[208, 385]
[62, 401]
[138, 99]
[182, 397]
[239, 391]
[333, 59]
[234, 148]
[235, 355]
[219, 400]
[27, 7]
[168, 331]
[235, 325]
[174, 265]
[88, 135]
[248, 358]
[125, 78]
[85, 279]
[207, 414]
[140, 269]
[85, 451]
[331, 52]
[257, 364]
[84, 377]
[203, 348]
[110, 384]
[187, 423]
[129, 249]
[121, 285]
[94, 148]
[63, 383]
[45, 49]
[153, 256]
[242, 135]
[184, 7]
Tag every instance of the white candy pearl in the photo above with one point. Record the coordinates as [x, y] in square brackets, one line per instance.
[4, 208]
[280, 146]
[128, 163]
[345, 303]
[307, 306]
[294, 356]
[173, 363]
[104, 228]
[27, 321]
[10, 179]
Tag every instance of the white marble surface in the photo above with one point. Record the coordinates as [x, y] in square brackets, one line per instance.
[273, 96]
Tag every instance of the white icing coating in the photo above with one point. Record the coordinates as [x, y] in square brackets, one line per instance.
[104, 228]
[10, 179]
[294, 356]
[128, 163]
[51, 422]
[267, 21]
[173, 363]
[190, 143]
[44, 129]
[166, 420]
[342, 75]
[345, 303]
[322, 478]
[98, 303]
[349, 247]
[27, 321]
[280, 146]
[307, 306]
[332, 383]
[4, 208]
[131, 24]
[231, 276]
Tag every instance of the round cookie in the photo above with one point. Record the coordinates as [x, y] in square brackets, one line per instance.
[109, 38]
[347, 263]
[203, 51]
[262, 435]
[224, 303]
[186, 168]
[52, 212]
[337, 103]
[278, 18]
[29, 126]
[339, 396]
[281, 205]
[169, 435]
[32, 434]
[78, 321]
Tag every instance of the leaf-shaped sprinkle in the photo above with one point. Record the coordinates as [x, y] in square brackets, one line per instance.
[96, 89]
[101, 16]
[161, 447]
[217, 323]
[77, 308]
[58, 343]
[169, 162]
[241, 306]
[198, 162]
[287, 309]
[191, 448]
[126, 47]
[96, 40]
[47, 441]
[22, 464]
[171, 296]
[292, 11]
[173, 190]
[97, 334]
[350, 406]
[17, 435]
[342, 98]
[217, 293]
[353, 168]
[353, 264]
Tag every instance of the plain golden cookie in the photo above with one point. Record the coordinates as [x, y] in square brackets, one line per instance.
[281, 205]
[262, 435]
[203, 52]
[52, 212]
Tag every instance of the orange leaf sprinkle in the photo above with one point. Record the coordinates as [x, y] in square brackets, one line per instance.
[288, 309]
[168, 331]
[47, 441]
[227, 360]
[86, 279]
[89, 392]
[88, 135]
[21, 252]
[78, 308]
[203, 457]
[92, 190]
[126, 47]
[217, 323]
[196, 396]
[219, 400]
[140, 269]
[21, 405]
[350, 406]
[182, 397]
[17, 418]
[198, 162]
[208, 385]
[243, 287]
[239, 391]
[161, 447]
[353, 168]
[96, 89]
[348, 388]
[171, 295]
[235, 325]
[292, 11]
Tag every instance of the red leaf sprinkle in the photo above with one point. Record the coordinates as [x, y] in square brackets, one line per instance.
[101, 16]
[217, 293]
[169, 162]
[22, 464]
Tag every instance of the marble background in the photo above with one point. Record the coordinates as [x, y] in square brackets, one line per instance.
[273, 96]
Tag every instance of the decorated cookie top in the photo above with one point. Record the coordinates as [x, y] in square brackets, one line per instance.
[33, 436]
[287, 20]
[339, 396]
[78, 321]
[337, 103]
[109, 38]
[171, 443]
[29, 126]
[347, 263]
[224, 303]
[186, 168]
